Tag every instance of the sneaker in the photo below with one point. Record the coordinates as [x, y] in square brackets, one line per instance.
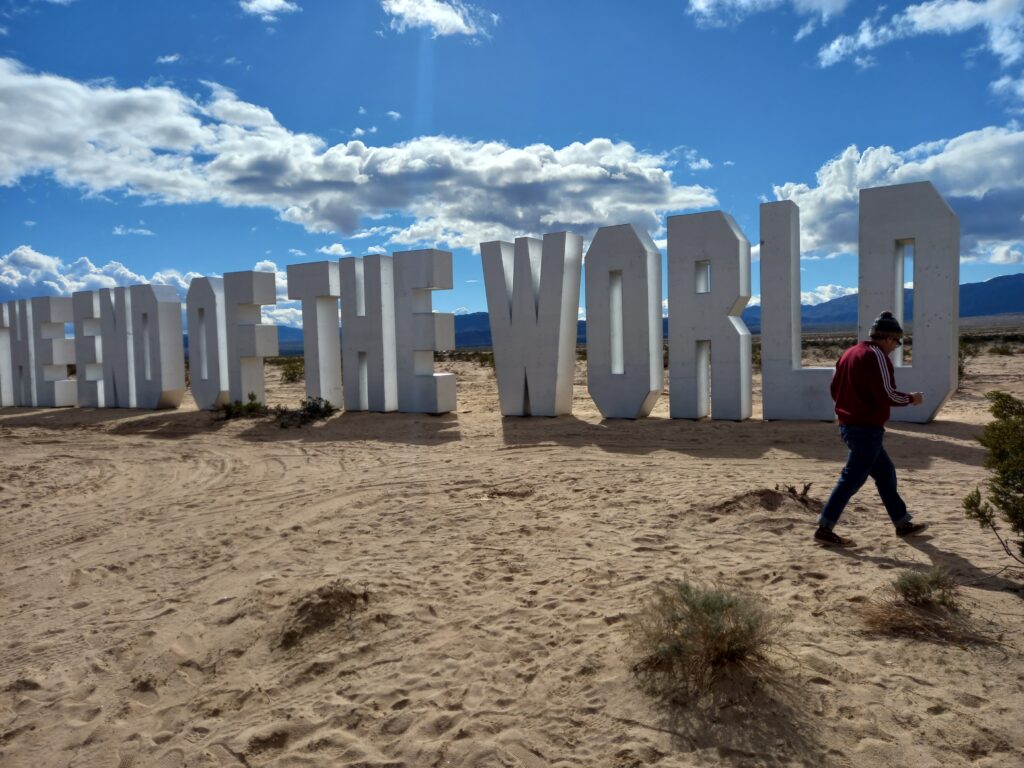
[830, 538]
[909, 529]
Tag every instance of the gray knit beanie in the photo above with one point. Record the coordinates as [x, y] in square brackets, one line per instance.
[886, 325]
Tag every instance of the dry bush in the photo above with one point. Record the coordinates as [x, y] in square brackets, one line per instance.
[687, 636]
[934, 588]
[923, 605]
[293, 370]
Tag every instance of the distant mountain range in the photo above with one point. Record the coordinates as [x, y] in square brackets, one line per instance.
[1000, 295]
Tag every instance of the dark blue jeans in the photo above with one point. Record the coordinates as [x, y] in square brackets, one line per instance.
[867, 458]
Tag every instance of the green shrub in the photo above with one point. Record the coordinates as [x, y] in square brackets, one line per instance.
[687, 635]
[1004, 438]
[1001, 349]
[967, 350]
[293, 370]
[239, 410]
[310, 409]
[927, 589]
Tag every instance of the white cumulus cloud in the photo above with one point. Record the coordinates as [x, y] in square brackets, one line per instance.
[721, 12]
[825, 293]
[123, 230]
[268, 10]
[163, 146]
[979, 173]
[1001, 20]
[26, 272]
[170, 58]
[335, 249]
[441, 17]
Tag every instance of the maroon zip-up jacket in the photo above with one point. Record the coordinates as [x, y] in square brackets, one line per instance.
[864, 386]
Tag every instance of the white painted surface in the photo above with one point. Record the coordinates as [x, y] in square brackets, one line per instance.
[890, 216]
[118, 343]
[790, 392]
[624, 362]
[207, 342]
[18, 335]
[52, 352]
[419, 332]
[533, 293]
[317, 285]
[248, 339]
[88, 349]
[368, 348]
[708, 248]
[158, 353]
[6, 359]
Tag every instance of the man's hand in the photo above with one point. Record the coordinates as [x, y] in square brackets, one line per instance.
[916, 398]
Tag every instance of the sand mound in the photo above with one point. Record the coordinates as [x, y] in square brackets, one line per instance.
[322, 608]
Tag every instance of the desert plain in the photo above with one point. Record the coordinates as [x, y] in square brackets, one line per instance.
[412, 590]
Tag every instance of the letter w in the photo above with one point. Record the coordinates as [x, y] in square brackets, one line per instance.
[533, 293]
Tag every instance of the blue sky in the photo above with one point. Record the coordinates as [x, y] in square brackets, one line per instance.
[156, 141]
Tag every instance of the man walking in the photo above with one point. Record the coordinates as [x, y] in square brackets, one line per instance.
[864, 389]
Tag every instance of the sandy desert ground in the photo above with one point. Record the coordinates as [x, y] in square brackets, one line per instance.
[159, 572]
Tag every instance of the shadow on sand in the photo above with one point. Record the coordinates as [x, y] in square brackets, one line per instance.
[758, 718]
[910, 447]
[966, 572]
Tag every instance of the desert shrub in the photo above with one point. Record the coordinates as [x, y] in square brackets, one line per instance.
[967, 350]
[927, 589]
[310, 409]
[483, 358]
[1001, 349]
[687, 635]
[251, 409]
[923, 605]
[1004, 438]
[293, 370]
[755, 356]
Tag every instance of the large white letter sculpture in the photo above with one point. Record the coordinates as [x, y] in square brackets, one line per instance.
[891, 217]
[368, 358]
[52, 352]
[88, 349]
[19, 336]
[317, 286]
[207, 342]
[248, 339]
[158, 356]
[624, 363]
[708, 287]
[790, 392]
[6, 362]
[533, 292]
[420, 332]
[118, 343]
